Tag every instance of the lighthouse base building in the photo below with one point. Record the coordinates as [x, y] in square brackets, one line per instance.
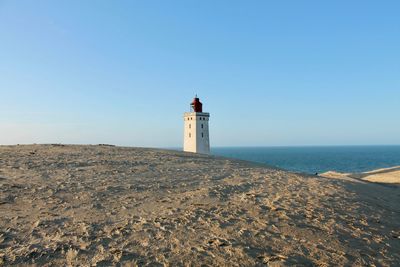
[196, 132]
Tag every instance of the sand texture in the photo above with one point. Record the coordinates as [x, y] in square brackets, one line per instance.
[383, 176]
[105, 206]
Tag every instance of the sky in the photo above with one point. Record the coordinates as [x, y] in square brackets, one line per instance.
[271, 73]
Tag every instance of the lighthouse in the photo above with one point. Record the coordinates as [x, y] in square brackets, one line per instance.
[196, 135]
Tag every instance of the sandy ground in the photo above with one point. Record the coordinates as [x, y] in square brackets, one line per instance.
[389, 175]
[104, 206]
[383, 176]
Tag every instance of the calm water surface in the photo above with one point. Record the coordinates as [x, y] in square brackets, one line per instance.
[318, 159]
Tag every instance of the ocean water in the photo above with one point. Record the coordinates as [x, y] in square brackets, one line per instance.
[318, 159]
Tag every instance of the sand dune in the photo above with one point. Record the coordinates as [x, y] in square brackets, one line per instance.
[383, 176]
[388, 175]
[102, 205]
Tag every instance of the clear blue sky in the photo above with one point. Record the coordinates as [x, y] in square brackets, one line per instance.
[269, 72]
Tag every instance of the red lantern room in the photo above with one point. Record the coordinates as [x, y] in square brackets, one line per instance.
[196, 105]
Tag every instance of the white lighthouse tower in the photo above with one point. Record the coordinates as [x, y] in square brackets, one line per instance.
[196, 135]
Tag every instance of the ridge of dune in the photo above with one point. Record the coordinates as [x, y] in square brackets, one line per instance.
[389, 177]
[340, 176]
[104, 205]
[382, 170]
[384, 175]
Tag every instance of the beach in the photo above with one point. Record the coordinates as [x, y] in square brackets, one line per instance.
[103, 205]
[383, 176]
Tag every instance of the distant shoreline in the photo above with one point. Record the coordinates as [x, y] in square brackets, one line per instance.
[311, 160]
[389, 175]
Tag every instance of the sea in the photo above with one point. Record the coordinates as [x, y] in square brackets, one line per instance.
[318, 159]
